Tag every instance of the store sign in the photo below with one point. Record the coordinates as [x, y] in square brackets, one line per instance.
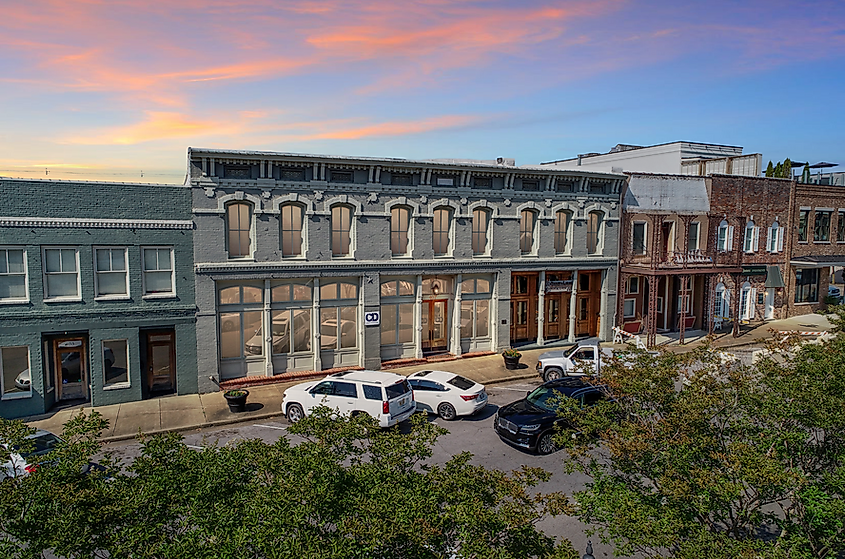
[754, 270]
[372, 318]
[564, 286]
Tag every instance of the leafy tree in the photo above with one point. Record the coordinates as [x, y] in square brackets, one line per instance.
[779, 170]
[699, 457]
[347, 490]
[787, 168]
[770, 170]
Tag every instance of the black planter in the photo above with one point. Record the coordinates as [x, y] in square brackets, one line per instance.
[237, 404]
[511, 363]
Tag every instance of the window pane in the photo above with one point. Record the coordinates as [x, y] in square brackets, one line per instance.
[253, 338]
[466, 319]
[328, 328]
[281, 331]
[348, 291]
[280, 293]
[150, 259]
[340, 225]
[230, 335]
[388, 324]
[12, 287]
[111, 283]
[68, 260]
[54, 260]
[348, 331]
[468, 286]
[15, 259]
[17, 378]
[230, 295]
[103, 260]
[115, 362]
[158, 282]
[388, 288]
[301, 292]
[560, 232]
[482, 318]
[692, 241]
[482, 285]
[62, 285]
[328, 290]
[253, 294]
[406, 324]
[291, 230]
[301, 329]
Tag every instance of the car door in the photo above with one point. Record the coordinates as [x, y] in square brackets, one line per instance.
[345, 397]
[320, 395]
[586, 354]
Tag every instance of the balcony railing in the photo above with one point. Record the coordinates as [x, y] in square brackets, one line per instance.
[685, 258]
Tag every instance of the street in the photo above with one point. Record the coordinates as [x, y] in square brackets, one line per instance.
[472, 434]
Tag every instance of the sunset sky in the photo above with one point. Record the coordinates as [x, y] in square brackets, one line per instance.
[108, 89]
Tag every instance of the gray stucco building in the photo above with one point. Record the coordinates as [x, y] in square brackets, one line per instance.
[309, 262]
[96, 293]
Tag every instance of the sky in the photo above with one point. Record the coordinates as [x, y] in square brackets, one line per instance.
[117, 90]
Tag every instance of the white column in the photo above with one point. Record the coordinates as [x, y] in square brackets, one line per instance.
[603, 331]
[315, 325]
[267, 326]
[456, 323]
[541, 311]
[494, 314]
[573, 300]
[418, 320]
[361, 328]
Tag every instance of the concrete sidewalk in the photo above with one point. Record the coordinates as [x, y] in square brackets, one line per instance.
[192, 411]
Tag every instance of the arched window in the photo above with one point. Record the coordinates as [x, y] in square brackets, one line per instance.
[774, 243]
[442, 225]
[292, 229]
[561, 225]
[746, 302]
[725, 237]
[480, 225]
[751, 237]
[594, 230]
[399, 221]
[341, 222]
[527, 225]
[722, 303]
[239, 229]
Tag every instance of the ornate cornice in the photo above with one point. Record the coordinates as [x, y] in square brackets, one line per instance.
[90, 223]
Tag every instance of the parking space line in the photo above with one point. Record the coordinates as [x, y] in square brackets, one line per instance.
[514, 389]
[270, 426]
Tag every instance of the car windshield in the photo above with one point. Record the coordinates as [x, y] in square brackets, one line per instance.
[461, 382]
[398, 389]
[570, 351]
[544, 398]
[43, 444]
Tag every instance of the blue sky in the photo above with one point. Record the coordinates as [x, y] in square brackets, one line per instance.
[106, 89]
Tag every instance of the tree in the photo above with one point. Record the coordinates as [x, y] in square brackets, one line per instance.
[347, 490]
[699, 457]
[770, 170]
[779, 170]
[787, 168]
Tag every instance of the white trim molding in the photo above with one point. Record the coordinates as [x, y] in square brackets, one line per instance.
[91, 223]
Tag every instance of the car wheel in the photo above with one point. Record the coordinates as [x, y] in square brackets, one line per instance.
[447, 411]
[295, 413]
[546, 444]
[553, 373]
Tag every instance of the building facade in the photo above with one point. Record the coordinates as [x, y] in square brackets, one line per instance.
[96, 293]
[307, 262]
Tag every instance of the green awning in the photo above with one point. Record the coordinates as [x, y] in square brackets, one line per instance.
[773, 277]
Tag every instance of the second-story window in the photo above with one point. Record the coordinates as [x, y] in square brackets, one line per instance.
[724, 237]
[692, 235]
[399, 221]
[13, 280]
[292, 230]
[442, 223]
[159, 272]
[341, 230]
[526, 231]
[639, 243]
[774, 243]
[239, 229]
[803, 218]
[561, 225]
[594, 226]
[751, 235]
[821, 229]
[480, 222]
[840, 227]
[111, 278]
[61, 274]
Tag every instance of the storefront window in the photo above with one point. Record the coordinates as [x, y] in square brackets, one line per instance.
[115, 362]
[240, 312]
[16, 375]
[338, 328]
[291, 330]
[397, 323]
[806, 285]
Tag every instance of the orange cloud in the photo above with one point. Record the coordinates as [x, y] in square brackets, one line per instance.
[157, 126]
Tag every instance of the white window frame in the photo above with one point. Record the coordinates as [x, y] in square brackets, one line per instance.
[645, 237]
[25, 298]
[488, 233]
[163, 295]
[535, 219]
[725, 244]
[602, 219]
[450, 232]
[747, 299]
[567, 233]
[116, 385]
[350, 253]
[633, 312]
[303, 236]
[19, 395]
[408, 233]
[697, 226]
[45, 274]
[251, 207]
[97, 296]
[752, 235]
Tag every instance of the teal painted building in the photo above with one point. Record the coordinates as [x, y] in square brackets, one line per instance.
[97, 300]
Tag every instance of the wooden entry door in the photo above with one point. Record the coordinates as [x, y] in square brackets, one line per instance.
[161, 361]
[556, 324]
[587, 304]
[71, 358]
[435, 325]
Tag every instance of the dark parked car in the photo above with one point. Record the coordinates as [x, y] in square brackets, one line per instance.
[529, 423]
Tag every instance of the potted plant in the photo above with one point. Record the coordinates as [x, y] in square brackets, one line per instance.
[236, 399]
[511, 357]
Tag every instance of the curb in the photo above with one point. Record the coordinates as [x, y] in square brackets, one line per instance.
[244, 419]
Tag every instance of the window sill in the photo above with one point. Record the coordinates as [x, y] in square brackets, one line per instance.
[113, 298]
[821, 242]
[117, 386]
[17, 396]
[443, 256]
[64, 300]
[241, 259]
[483, 256]
[401, 257]
[529, 255]
[286, 257]
[159, 296]
[14, 301]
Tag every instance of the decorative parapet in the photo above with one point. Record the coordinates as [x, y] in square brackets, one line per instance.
[90, 223]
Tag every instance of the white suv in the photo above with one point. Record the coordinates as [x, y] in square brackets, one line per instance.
[386, 397]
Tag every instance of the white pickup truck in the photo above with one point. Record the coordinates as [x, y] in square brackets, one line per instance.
[579, 360]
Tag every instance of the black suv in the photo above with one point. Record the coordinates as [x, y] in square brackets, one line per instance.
[529, 423]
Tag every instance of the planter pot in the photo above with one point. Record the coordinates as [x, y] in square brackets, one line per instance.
[237, 404]
[511, 363]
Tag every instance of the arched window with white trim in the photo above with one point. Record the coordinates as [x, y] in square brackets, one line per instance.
[722, 303]
[746, 301]
[774, 242]
[752, 234]
[239, 229]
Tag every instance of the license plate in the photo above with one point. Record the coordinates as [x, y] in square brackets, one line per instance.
[402, 401]
[482, 396]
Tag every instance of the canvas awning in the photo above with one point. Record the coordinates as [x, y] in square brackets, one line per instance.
[818, 261]
[773, 277]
